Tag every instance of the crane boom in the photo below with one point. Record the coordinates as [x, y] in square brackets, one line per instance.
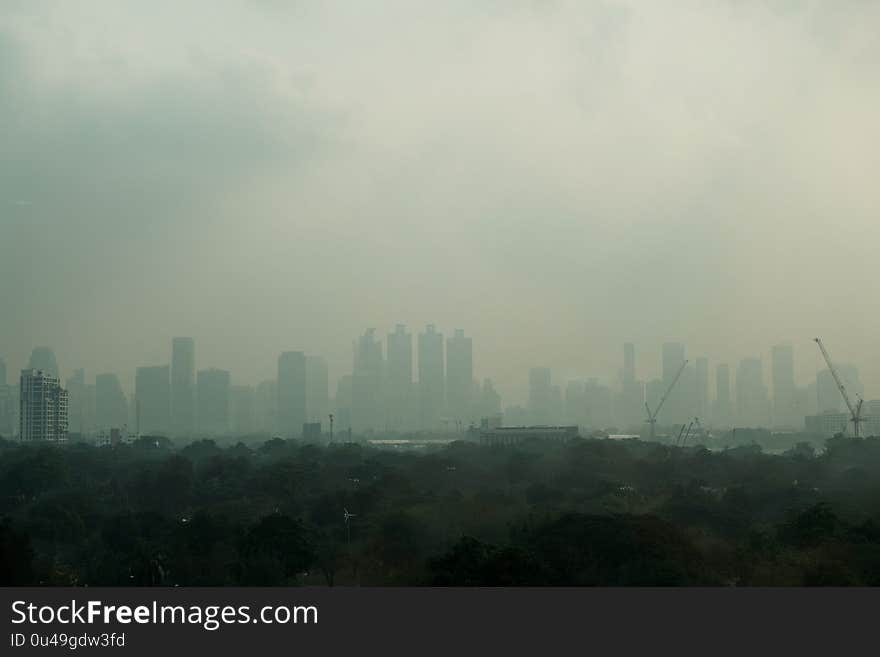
[652, 416]
[854, 411]
[669, 389]
[837, 380]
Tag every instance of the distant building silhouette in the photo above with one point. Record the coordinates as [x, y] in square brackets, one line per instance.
[399, 400]
[152, 400]
[431, 378]
[183, 394]
[111, 406]
[540, 395]
[81, 404]
[43, 358]
[291, 393]
[43, 404]
[213, 396]
[366, 383]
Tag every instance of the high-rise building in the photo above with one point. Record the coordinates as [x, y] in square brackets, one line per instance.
[366, 383]
[541, 395]
[81, 404]
[111, 406]
[152, 400]
[242, 410]
[291, 393]
[43, 404]
[212, 395]
[317, 389]
[431, 378]
[183, 394]
[752, 402]
[43, 358]
[398, 380]
[459, 378]
[7, 412]
[784, 394]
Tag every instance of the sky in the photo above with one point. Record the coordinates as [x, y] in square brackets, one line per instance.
[554, 177]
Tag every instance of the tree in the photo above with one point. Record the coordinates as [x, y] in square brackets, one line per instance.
[275, 550]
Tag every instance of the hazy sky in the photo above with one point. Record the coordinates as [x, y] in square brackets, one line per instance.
[554, 177]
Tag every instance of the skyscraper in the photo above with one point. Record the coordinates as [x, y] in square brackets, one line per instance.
[398, 379]
[183, 399]
[43, 358]
[317, 389]
[43, 404]
[459, 378]
[291, 393]
[366, 383]
[111, 407]
[6, 403]
[431, 378]
[152, 400]
[784, 407]
[81, 403]
[212, 394]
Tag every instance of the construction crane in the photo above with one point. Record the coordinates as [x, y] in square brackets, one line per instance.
[652, 416]
[687, 432]
[855, 412]
[680, 434]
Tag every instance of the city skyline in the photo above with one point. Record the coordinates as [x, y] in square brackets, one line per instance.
[566, 175]
[807, 363]
[384, 391]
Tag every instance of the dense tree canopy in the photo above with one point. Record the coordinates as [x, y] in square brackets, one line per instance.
[587, 512]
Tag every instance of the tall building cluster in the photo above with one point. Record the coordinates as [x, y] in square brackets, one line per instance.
[401, 384]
